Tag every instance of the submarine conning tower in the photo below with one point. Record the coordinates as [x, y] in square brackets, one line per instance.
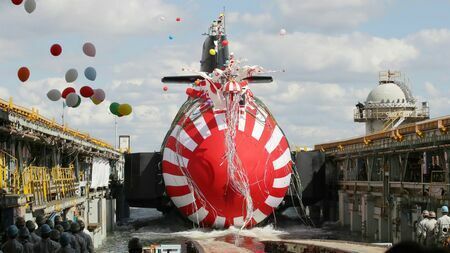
[390, 104]
[216, 34]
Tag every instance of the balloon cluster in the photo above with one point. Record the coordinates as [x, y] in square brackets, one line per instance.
[29, 6]
[72, 99]
[120, 109]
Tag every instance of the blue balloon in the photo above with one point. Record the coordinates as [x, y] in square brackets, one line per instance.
[170, 37]
[90, 73]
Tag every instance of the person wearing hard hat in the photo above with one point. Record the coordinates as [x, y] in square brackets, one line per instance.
[430, 227]
[420, 232]
[12, 245]
[442, 226]
[46, 245]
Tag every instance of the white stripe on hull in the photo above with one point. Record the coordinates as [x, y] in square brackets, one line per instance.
[281, 161]
[183, 138]
[221, 121]
[274, 140]
[200, 124]
[238, 221]
[199, 215]
[258, 216]
[173, 180]
[184, 200]
[242, 119]
[174, 158]
[282, 182]
[219, 222]
[259, 125]
[273, 201]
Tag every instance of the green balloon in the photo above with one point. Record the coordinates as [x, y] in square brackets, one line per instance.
[114, 108]
[78, 103]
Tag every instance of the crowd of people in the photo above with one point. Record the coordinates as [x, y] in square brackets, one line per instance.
[50, 236]
[433, 232]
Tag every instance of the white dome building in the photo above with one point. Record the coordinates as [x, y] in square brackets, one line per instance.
[389, 105]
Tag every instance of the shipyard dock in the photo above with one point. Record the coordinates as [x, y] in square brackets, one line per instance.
[50, 169]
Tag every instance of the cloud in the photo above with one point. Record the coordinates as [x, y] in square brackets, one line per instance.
[311, 52]
[99, 17]
[328, 15]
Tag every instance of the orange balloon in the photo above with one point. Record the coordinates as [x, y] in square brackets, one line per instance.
[23, 74]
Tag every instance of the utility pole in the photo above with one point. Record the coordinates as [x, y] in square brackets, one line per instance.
[115, 132]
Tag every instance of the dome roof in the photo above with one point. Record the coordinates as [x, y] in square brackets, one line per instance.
[386, 93]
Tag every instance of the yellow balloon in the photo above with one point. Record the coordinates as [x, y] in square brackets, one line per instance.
[95, 101]
[212, 51]
[125, 109]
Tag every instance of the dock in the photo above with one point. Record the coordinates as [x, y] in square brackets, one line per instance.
[51, 169]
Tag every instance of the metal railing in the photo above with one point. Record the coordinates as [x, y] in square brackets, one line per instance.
[386, 113]
[42, 184]
[33, 115]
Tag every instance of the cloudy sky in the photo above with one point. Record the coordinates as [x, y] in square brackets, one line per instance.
[332, 54]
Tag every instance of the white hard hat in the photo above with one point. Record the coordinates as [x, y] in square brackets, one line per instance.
[425, 213]
[432, 214]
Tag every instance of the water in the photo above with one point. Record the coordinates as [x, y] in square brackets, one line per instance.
[151, 227]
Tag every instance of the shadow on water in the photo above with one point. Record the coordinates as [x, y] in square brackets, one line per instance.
[151, 227]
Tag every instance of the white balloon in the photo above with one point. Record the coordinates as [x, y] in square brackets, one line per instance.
[30, 6]
[162, 18]
[71, 75]
[54, 95]
[283, 32]
[72, 99]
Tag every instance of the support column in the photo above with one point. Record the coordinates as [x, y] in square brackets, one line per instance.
[368, 207]
[344, 219]
[383, 229]
[355, 217]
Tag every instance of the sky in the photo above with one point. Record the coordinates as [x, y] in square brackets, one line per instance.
[332, 54]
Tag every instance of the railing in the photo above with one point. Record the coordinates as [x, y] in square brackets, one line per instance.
[45, 184]
[33, 115]
[385, 113]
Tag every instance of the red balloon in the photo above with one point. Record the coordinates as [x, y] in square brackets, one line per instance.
[56, 50]
[165, 88]
[23, 74]
[224, 43]
[67, 91]
[86, 91]
[17, 2]
[264, 157]
[178, 19]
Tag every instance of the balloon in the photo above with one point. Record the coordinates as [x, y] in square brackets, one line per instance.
[90, 73]
[170, 37]
[178, 19]
[89, 49]
[55, 49]
[98, 97]
[30, 6]
[125, 109]
[86, 91]
[72, 99]
[67, 91]
[114, 108]
[95, 101]
[190, 92]
[212, 51]
[17, 2]
[283, 32]
[165, 88]
[162, 18]
[71, 75]
[54, 95]
[224, 43]
[78, 102]
[23, 74]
